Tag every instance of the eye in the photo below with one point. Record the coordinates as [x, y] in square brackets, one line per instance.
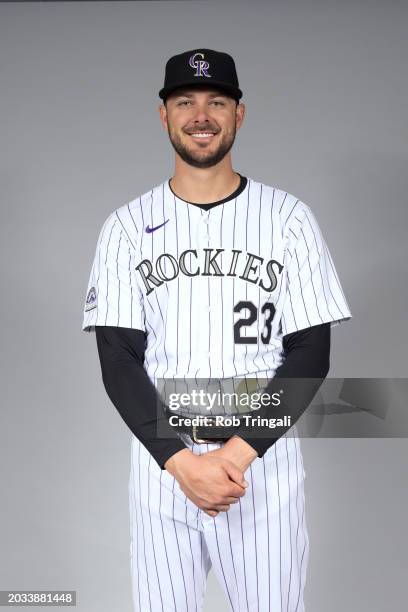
[218, 102]
[183, 102]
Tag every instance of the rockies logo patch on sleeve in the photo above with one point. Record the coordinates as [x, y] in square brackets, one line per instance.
[91, 300]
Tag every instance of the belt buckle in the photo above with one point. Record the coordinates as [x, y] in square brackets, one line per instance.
[194, 436]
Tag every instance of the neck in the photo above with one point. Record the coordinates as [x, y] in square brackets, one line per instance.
[204, 185]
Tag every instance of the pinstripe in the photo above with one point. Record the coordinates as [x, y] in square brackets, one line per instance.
[233, 286]
[117, 272]
[207, 215]
[304, 546]
[198, 366]
[222, 297]
[151, 530]
[209, 326]
[255, 543]
[165, 226]
[164, 540]
[267, 531]
[151, 219]
[246, 284]
[243, 552]
[131, 216]
[291, 306]
[202, 563]
[338, 284]
[192, 558]
[280, 284]
[221, 565]
[155, 349]
[311, 275]
[280, 525]
[136, 522]
[301, 290]
[259, 293]
[178, 287]
[143, 533]
[334, 271]
[131, 294]
[303, 552]
[233, 562]
[297, 510]
[143, 228]
[99, 252]
[283, 201]
[191, 291]
[321, 273]
[178, 548]
[164, 341]
[290, 524]
[164, 318]
[124, 228]
[291, 211]
[107, 273]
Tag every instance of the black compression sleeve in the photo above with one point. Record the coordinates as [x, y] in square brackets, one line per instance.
[121, 354]
[306, 363]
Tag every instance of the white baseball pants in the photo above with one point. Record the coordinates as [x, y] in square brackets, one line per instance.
[258, 549]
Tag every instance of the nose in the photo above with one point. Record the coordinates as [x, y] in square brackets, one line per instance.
[201, 113]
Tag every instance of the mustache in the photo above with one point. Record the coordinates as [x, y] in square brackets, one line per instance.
[205, 129]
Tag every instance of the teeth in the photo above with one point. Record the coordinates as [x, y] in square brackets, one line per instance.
[201, 135]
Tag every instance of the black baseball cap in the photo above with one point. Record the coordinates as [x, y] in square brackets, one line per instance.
[203, 67]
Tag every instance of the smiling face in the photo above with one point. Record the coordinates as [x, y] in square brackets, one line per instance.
[201, 124]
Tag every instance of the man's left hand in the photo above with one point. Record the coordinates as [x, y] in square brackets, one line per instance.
[238, 451]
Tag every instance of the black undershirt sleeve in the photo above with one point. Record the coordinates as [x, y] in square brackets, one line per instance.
[121, 354]
[305, 366]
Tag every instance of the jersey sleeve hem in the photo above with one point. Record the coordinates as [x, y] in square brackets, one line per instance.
[89, 326]
[317, 321]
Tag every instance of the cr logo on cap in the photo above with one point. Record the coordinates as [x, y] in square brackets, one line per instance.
[201, 66]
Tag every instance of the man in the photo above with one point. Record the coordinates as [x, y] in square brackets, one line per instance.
[212, 275]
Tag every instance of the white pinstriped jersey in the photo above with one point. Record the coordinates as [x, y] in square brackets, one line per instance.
[215, 290]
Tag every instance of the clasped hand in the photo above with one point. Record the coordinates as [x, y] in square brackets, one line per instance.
[212, 481]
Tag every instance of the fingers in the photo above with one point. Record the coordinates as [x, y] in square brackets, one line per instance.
[214, 511]
[235, 473]
[231, 500]
[235, 491]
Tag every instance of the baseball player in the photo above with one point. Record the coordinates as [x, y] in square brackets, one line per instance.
[212, 275]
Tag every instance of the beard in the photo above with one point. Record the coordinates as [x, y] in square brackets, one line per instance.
[202, 157]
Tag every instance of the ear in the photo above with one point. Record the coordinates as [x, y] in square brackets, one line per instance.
[163, 116]
[240, 114]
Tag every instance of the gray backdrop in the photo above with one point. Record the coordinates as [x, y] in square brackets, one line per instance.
[326, 89]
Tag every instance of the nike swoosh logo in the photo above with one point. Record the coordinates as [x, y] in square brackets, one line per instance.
[149, 230]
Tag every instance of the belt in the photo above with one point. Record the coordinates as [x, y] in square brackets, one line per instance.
[210, 432]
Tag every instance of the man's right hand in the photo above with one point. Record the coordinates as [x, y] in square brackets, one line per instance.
[212, 483]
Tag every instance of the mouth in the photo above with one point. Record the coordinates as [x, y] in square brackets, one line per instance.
[202, 136]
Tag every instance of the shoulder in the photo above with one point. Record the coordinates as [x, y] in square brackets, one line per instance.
[130, 219]
[289, 209]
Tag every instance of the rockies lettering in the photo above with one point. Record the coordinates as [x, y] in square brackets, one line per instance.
[154, 275]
